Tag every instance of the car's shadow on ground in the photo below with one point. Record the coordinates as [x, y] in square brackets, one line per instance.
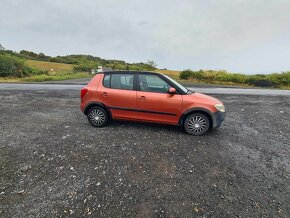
[143, 126]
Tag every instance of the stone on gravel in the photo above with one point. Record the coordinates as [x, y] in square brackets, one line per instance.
[21, 192]
[25, 168]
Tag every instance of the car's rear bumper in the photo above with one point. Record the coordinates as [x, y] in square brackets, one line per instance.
[218, 119]
[83, 106]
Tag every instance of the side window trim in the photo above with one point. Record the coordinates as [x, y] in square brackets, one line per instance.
[136, 84]
[135, 78]
[178, 92]
[108, 74]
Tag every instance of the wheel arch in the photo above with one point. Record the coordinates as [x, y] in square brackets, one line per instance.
[204, 111]
[97, 104]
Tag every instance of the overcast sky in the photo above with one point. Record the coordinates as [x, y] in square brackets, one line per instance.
[249, 36]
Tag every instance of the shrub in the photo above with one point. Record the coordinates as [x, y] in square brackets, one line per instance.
[199, 75]
[86, 66]
[11, 66]
[209, 75]
[186, 74]
[256, 81]
[231, 77]
[280, 78]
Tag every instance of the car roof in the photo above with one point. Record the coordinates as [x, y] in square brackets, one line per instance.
[130, 71]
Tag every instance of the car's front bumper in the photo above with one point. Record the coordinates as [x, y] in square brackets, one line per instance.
[218, 119]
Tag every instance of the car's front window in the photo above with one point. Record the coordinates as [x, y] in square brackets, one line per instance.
[178, 85]
[152, 83]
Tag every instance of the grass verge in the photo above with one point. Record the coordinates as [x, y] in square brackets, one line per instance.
[45, 77]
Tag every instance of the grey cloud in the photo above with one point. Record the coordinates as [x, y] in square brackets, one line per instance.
[143, 22]
[240, 35]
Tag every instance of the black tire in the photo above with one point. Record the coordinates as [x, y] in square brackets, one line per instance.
[196, 124]
[98, 117]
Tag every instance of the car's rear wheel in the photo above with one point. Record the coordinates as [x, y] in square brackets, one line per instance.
[98, 117]
[196, 124]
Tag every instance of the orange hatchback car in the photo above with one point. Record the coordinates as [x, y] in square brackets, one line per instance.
[149, 97]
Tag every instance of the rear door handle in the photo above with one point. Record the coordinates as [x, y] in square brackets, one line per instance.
[143, 98]
[104, 94]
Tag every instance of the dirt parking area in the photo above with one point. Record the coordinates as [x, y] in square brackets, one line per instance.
[54, 164]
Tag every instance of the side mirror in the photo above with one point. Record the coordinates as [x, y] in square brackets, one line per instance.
[171, 90]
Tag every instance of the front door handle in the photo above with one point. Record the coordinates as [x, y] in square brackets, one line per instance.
[142, 98]
[105, 94]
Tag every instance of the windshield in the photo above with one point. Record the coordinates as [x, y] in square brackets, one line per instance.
[178, 85]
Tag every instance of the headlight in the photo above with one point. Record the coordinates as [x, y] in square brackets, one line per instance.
[220, 107]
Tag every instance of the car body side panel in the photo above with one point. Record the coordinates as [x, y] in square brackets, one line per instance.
[122, 103]
[91, 95]
[197, 100]
[159, 107]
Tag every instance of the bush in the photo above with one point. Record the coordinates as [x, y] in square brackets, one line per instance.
[280, 78]
[199, 75]
[186, 74]
[86, 65]
[11, 66]
[209, 75]
[232, 77]
[260, 82]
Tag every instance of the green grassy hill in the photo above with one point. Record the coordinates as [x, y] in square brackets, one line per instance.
[53, 71]
[31, 67]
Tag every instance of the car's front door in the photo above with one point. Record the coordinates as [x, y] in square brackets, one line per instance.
[118, 93]
[154, 103]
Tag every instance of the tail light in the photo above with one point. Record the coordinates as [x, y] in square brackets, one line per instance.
[83, 92]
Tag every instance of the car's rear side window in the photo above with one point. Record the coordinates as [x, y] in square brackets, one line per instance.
[119, 81]
[107, 80]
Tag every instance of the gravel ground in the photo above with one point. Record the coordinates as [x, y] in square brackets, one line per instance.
[54, 164]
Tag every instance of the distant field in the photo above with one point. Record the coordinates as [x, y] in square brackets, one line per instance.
[60, 71]
[50, 66]
[174, 74]
[68, 68]
[52, 72]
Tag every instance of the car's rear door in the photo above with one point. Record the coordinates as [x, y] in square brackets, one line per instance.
[118, 93]
[154, 102]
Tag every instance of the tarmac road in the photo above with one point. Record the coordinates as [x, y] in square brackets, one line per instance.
[229, 91]
[54, 164]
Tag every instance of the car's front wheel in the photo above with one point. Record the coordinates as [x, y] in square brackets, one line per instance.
[98, 117]
[196, 124]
